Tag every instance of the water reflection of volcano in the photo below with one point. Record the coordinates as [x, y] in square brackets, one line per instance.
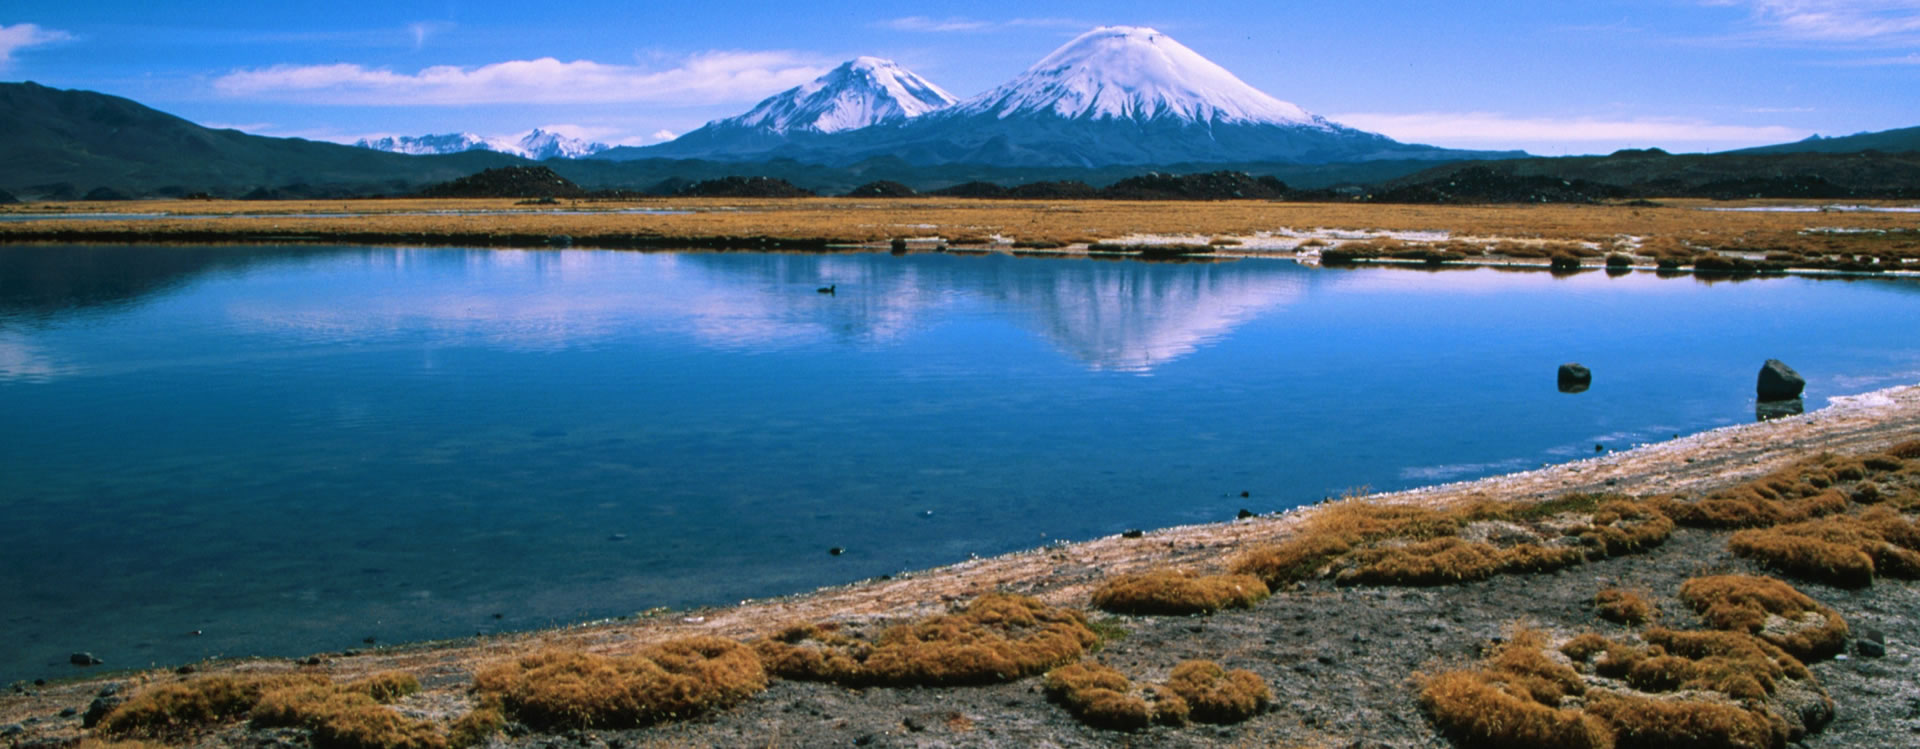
[1124, 316]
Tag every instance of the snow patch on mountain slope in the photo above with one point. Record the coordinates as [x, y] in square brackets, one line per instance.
[1135, 73]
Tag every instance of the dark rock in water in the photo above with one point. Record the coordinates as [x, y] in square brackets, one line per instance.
[1778, 382]
[1245, 513]
[898, 245]
[1245, 494]
[836, 551]
[99, 709]
[1575, 378]
[83, 659]
[560, 240]
[1132, 533]
[1770, 410]
[1872, 644]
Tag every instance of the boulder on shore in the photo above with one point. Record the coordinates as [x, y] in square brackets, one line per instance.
[1575, 378]
[1778, 382]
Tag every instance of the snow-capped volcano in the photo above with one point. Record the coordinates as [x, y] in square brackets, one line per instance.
[861, 92]
[1135, 73]
[538, 145]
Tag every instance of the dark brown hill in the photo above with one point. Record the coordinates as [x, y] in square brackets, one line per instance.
[508, 182]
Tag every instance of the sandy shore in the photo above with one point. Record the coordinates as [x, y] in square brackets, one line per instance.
[1063, 574]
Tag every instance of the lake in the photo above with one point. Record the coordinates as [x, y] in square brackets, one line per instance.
[287, 450]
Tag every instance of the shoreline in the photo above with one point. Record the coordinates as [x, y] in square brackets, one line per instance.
[1704, 239]
[1063, 573]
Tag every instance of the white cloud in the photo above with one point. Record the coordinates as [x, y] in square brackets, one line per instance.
[1888, 22]
[711, 78]
[664, 135]
[23, 35]
[1486, 129]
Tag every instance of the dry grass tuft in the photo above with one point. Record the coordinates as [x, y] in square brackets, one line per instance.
[1665, 722]
[1623, 606]
[673, 680]
[1846, 550]
[1770, 609]
[997, 638]
[1364, 543]
[172, 711]
[1705, 689]
[1178, 592]
[477, 728]
[386, 687]
[344, 718]
[1217, 695]
[1513, 701]
[1105, 698]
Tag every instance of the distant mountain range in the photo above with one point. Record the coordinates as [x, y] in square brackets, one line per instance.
[1116, 95]
[1115, 102]
[538, 145]
[1888, 141]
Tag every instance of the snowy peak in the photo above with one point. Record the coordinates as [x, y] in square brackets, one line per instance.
[861, 92]
[1135, 73]
[537, 145]
[540, 145]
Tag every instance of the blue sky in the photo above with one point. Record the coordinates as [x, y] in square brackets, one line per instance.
[1552, 77]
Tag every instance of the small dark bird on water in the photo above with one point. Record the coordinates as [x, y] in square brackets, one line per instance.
[827, 289]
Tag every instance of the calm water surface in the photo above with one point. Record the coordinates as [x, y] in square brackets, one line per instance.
[292, 449]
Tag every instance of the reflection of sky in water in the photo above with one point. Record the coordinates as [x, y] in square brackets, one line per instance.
[291, 449]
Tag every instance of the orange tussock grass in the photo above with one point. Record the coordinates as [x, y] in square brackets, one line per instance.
[678, 679]
[1516, 697]
[344, 718]
[1771, 609]
[998, 637]
[1733, 663]
[178, 709]
[1178, 592]
[1361, 542]
[1656, 723]
[1216, 695]
[1102, 697]
[1623, 606]
[386, 687]
[1845, 550]
[1513, 701]
[476, 728]
[1805, 490]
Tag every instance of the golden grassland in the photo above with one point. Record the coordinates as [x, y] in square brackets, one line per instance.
[1677, 227]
